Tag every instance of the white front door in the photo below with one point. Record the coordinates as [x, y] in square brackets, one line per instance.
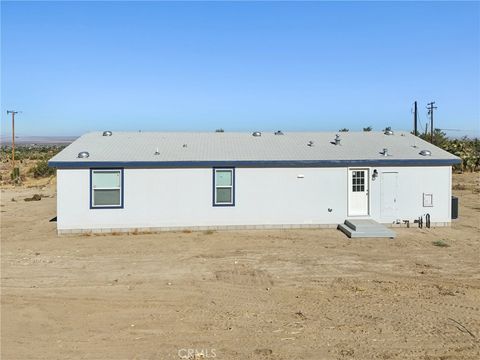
[358, 181]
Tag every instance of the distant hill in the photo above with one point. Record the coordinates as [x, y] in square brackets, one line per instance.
[38, 140]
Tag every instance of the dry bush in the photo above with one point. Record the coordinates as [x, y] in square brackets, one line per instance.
[459, 187]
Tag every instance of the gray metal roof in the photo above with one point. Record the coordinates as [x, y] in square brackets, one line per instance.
[235, 148]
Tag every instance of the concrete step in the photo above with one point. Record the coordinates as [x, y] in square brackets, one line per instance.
[362, 224]
[365, 229]
[366, 234]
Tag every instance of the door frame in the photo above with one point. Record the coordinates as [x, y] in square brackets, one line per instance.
[349, 190]
[396, 210]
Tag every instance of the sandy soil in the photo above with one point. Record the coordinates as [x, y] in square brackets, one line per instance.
[293, 294]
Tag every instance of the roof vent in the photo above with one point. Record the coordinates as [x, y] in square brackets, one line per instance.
[310, 143]
[426, 153]
[157, 152]
[257, 133]
[83, 155]
[107, 133]
[388, 131]
[385, 152]
[279, 132]
[337, 139]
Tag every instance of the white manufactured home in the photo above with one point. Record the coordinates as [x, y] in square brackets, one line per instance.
[152, 181]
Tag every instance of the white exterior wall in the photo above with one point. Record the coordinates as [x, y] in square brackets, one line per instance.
[155, 198]
[413, 182]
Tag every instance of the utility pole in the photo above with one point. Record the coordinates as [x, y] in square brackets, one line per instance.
[415, 131]
[13, 112]
[430, 108]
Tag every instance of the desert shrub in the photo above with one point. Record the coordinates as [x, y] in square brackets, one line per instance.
[459, 187]
[465, 148]
[41, 169]
[30, 152]
[440, 243]
[15, 176]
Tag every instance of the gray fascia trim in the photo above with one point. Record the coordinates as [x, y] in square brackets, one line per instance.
[254, 163]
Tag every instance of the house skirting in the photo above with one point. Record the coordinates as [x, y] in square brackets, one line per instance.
[222, 227]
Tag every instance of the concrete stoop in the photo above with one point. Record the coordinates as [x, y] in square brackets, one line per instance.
[365, 229]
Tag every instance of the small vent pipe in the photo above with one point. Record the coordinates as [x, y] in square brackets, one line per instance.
[337, 139]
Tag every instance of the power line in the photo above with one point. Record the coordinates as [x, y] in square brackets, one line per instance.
[420, 122]
[430, 108]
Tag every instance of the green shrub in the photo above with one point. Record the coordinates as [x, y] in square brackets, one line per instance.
[466, 149]
[15, 174]
[42, 169]
[440, 243]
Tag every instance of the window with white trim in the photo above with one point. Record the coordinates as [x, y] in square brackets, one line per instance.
[224, 187]
[358, 181]
[106, 188]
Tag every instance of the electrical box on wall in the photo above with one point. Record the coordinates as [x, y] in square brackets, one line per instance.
[427, 200]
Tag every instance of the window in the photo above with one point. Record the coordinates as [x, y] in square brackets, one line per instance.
[427, 200]
[223, 187]
[358, 181]
[106, 186]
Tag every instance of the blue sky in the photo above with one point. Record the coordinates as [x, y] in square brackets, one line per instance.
[76, 67]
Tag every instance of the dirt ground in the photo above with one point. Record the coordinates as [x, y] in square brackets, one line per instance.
[289, 294]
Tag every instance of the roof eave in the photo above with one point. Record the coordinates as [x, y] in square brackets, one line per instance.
[254, 163]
